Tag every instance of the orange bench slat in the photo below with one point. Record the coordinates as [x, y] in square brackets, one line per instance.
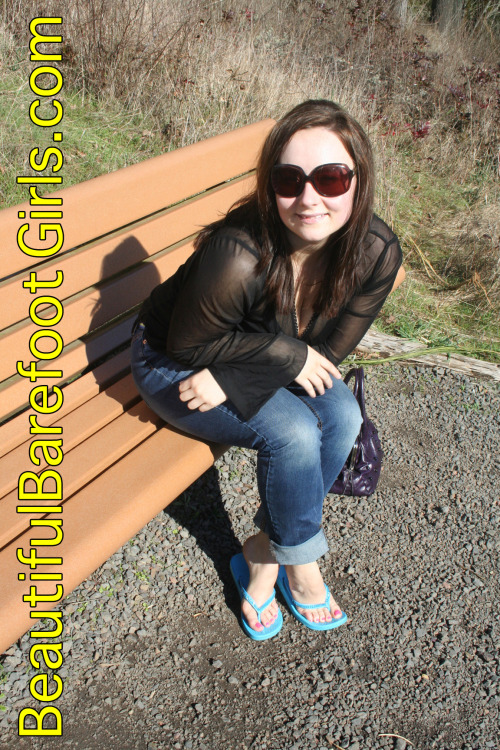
[76, 393]
[76, 427]
[82, 464]
[14, 394]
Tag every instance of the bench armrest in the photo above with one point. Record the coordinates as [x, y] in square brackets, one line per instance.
[400, 277]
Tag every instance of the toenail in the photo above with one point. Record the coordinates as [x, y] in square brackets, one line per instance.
[337, 613]
[258, 626]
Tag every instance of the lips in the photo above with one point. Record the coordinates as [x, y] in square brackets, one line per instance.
[311, 218]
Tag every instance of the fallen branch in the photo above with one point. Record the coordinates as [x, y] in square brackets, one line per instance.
[391, 349]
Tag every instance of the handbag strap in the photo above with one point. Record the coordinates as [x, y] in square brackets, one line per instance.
[359, 388]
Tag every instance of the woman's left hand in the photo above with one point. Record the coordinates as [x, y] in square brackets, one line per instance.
[201, 391]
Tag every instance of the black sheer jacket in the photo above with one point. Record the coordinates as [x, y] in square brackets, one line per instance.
[212, 313]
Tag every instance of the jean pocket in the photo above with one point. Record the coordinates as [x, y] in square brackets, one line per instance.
[159, 361]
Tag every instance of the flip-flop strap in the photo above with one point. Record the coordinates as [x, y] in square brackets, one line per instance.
[324, 605]
[253, 603]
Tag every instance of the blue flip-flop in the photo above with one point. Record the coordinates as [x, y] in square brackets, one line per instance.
[241, 575]
[293, 604]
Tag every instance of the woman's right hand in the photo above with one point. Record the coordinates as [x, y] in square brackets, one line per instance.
[201, 391]
[316, 374]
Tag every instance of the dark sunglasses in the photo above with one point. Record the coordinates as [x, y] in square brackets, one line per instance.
[329, 180]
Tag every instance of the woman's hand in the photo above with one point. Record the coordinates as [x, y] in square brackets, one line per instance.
[201, 391]
[316, 374]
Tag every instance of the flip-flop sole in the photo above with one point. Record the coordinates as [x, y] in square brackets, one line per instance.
[241, 575]
[285, 590]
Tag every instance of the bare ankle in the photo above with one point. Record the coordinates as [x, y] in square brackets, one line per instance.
[305, 576]
[256, 549]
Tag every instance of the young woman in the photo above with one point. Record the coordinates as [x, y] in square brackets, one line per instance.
[241, 345]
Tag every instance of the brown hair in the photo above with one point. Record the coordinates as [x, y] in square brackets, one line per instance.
[258, 212]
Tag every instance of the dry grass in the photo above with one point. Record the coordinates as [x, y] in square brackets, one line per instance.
[430, 101]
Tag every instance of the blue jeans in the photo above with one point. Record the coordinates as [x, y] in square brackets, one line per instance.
[301, 443]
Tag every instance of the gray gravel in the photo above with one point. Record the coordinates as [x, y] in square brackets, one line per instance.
[155, 657]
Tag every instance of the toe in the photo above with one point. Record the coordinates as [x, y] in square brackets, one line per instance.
[319, 615]
[273, 609]
[269, 615]
[311, 615]
[251, 616]
[335, 612]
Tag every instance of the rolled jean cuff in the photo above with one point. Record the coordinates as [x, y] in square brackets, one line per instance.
[300, 554]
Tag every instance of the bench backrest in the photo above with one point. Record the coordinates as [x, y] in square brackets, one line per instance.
[123, 233]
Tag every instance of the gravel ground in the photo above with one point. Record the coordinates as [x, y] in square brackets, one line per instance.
[155, 657]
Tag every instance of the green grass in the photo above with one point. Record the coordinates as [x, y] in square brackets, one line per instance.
[98, 136]
[431, 211]
[414, 312]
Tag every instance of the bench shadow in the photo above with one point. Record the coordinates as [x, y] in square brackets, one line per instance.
[128, 253]
[200, 508]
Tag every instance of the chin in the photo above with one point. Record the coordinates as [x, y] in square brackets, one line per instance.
[313, 236]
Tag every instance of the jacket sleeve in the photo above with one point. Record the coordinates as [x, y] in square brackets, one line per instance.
[363, 308]
[217, 294]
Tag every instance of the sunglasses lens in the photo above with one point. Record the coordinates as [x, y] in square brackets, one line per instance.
[287, 181]
[331, 180]
[328, 180]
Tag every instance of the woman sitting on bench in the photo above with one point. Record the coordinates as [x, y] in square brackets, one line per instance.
[241, 345]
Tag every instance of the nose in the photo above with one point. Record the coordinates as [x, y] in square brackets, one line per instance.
[309, 194]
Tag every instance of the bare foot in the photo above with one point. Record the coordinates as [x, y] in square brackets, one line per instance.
[263, 574]
[307, 586]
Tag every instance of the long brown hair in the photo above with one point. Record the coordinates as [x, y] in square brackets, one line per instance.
[258, 212]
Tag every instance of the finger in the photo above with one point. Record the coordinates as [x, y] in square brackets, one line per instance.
[333, 370]
[330, 367]
[306, 385]
[317, 384]
[326, 378]
[185, 385]
[205, 407]
[187, 394]
[309, 388]
[195, 403]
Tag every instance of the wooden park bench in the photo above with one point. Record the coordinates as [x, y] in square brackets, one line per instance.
[123, 233]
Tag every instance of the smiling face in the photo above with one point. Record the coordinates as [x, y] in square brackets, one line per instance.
[311, 218]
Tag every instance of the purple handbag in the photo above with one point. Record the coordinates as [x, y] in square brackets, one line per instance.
[361, 471]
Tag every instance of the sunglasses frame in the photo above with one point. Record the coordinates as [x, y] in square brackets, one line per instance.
[310, 178]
